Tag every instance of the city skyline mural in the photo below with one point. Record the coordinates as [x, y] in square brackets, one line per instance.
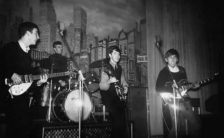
[104, 18]
[81, 26]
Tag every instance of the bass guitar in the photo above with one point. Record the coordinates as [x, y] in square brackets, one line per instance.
[27, 80]
[120, 91]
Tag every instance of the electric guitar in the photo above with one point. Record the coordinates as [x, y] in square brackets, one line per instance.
[18, 89]
[184, 87]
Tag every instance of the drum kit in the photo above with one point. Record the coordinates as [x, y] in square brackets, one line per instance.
[65, 105]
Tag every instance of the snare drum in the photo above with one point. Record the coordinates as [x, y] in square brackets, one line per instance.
[67, 106]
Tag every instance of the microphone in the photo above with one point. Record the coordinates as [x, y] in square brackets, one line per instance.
[81, 75]
[76, 68]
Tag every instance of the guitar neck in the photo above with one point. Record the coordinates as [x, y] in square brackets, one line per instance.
[202, 82]
[29, 78]
[205, 81]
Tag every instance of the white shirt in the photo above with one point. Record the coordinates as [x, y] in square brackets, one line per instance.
[23, 46]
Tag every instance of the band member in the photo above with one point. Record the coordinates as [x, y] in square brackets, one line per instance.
[170, 80]
[110, 76]
[57, 63]
[15, 62]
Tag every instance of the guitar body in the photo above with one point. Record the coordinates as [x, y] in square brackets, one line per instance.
[19, 89]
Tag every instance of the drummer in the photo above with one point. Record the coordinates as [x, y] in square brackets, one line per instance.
[57, 63]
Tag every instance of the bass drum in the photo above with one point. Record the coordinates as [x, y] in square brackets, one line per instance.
[67, 106]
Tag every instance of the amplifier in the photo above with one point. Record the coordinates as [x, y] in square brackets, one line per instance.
[97, 130]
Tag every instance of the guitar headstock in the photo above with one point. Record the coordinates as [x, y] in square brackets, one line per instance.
[208, 80]
[61, 29]
[216, 74]
[158, 42]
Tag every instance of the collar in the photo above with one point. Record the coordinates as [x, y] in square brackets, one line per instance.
[115, 66]
[23, 46]
[175, 69]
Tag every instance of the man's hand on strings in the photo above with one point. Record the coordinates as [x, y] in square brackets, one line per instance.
[43, 79]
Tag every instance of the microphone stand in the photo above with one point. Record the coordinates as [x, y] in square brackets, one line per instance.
[175, 109]
[81, 82]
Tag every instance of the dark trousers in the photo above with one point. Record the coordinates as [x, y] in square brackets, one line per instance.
[187, 122]
[18, 118]
[116, 112]
[118, 122]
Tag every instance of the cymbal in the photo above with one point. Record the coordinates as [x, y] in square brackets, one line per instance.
[98, 63]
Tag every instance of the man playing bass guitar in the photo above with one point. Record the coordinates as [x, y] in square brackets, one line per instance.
[112, 78]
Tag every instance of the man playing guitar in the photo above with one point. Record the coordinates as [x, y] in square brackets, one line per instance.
[16, 62]
[170, 86]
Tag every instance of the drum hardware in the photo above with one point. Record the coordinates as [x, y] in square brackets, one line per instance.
[44, 96]
[100, 111]
[70, 105]
[48, 118]
[76, 68]
[74, 103]
[91, 82]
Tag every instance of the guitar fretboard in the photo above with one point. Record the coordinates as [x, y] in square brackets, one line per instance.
[30, 78]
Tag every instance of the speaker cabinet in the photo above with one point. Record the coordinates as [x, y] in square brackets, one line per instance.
[137, 107]
[96, 130]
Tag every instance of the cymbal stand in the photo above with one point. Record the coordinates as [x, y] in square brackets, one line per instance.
[69, 83]
[50, 103]
[50, 96]
[92, 112]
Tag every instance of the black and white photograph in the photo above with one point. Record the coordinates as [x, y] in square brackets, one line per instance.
[111, 68]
